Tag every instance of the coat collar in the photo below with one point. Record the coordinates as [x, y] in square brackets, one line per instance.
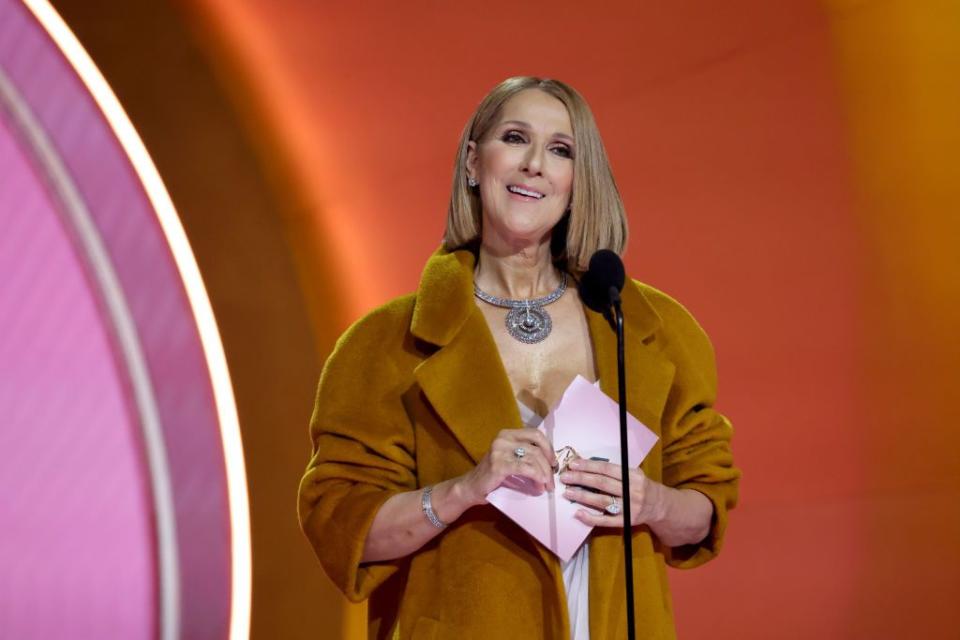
[444, 297]
[445, 300]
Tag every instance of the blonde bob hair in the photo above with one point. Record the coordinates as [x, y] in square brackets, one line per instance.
[596, 219]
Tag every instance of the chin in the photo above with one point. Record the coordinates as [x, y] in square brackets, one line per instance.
[525, 229]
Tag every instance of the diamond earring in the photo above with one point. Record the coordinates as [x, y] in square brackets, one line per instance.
[472, 182]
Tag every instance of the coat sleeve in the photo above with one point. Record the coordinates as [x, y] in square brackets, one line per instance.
[696, 437]
[363, 450]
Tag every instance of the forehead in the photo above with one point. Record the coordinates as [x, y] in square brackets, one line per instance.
[539, 110]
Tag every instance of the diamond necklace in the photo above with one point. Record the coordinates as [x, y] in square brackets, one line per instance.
[527, 320]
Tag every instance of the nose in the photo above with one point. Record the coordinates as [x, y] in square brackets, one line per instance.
[533, 161]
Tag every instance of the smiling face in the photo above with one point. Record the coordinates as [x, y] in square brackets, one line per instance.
[525, 169]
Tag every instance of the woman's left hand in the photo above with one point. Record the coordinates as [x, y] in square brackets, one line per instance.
[646, 496]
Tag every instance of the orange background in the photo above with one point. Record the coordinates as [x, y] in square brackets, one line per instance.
[790, 171]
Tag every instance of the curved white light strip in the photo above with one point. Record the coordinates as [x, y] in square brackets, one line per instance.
[80, 221]
[240, 553]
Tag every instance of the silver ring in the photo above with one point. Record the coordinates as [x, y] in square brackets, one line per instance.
[519, 452]
[614, 507]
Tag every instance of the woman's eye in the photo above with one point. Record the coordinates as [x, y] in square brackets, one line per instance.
[512, 137]
[563, 151]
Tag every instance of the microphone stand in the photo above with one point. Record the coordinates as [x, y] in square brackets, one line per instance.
[624, 464]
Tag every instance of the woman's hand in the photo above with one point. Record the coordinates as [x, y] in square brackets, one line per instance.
[676, 516]
[646, 503]
[400, 527]
[502, 464]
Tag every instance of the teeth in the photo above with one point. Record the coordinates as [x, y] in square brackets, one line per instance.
[524, 192]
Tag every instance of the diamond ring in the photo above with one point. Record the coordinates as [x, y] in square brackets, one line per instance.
[614, 507]
[519, 452]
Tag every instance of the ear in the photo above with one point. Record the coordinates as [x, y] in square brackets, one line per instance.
[472, 159]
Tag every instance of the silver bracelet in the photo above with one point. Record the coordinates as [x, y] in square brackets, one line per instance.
[427, 506]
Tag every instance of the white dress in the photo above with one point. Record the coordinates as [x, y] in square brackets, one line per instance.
[576, 570]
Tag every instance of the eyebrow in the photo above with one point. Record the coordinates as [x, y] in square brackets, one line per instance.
[526, 125]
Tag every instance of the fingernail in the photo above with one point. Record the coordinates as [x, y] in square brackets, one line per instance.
[574, 464]
[569, 493]
[566, 475]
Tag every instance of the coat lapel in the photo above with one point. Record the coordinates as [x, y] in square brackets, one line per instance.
[468, 387]
[464, 380]
[648, 373]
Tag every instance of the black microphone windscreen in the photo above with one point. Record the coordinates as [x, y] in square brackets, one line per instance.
[605, 272]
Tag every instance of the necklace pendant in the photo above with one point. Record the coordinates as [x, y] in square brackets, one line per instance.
[529, 325]
[527, 320]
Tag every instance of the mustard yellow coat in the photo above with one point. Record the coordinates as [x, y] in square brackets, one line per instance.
[414, 394]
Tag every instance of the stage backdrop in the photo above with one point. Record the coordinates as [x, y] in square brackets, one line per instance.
[791, 175]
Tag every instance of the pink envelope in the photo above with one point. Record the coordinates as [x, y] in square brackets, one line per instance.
[589, 421]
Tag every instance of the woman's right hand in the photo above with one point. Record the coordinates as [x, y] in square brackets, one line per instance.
[501, 462]
[400, 527]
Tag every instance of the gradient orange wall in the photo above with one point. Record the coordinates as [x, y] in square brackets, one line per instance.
[791, 174]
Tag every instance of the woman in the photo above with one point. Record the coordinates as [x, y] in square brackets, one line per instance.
[418, 408]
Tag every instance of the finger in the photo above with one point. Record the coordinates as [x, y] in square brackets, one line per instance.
[510, 439]
[602, 483]
[597, 466]
[531, 465]
[537, 438]
[544, 470]
[599, 520]
[598, 501]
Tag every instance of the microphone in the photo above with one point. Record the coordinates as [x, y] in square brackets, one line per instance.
[601, 285]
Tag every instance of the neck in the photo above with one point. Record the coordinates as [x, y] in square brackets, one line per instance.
[518, 273]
